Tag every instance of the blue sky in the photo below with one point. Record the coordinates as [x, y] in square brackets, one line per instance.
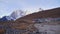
[8, 6]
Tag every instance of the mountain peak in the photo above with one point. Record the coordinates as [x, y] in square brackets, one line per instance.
[17, 14]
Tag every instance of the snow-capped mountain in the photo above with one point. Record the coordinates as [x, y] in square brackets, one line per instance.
[15, 15]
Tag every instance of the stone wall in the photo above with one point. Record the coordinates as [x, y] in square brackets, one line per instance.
[48, 29]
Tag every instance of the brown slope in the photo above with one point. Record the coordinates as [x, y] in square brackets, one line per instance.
[53, 13]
